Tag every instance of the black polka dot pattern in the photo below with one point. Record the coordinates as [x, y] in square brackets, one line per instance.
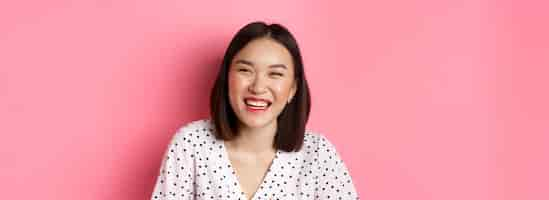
[196, 166]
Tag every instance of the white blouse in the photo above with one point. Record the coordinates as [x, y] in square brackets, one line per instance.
[196, 166]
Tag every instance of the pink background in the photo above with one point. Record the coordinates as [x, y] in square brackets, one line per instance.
[424, 99]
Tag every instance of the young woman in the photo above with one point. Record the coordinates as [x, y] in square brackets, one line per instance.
[255, 145]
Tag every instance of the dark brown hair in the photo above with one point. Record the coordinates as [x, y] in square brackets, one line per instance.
[293, 118]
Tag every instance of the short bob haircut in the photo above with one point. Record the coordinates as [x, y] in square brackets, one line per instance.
[293, 118]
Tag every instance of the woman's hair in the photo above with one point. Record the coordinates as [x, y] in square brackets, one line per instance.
[293, 118]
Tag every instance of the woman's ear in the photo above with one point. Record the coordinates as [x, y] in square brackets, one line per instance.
[292, 91]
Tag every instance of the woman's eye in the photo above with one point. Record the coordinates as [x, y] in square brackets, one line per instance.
[277, 74]
[243, 70]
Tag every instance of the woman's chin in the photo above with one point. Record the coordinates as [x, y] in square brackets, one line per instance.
[255, 122]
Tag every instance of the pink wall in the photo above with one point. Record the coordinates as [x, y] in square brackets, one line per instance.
[424, 99]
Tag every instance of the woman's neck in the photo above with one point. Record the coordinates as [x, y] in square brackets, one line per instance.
[256, 139]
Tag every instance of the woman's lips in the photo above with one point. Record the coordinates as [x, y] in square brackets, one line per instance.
[252, 109]
[256, 99]
[254, 104]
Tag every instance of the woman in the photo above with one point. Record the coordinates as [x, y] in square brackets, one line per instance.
[255, 145]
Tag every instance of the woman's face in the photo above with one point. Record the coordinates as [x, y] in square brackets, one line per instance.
[261, 81]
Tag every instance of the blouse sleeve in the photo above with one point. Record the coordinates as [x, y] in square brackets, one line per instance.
[176, 174]
[334, 180]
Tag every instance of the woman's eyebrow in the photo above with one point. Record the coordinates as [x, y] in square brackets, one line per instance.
[278, 66]
[245, 62]
[240, 61]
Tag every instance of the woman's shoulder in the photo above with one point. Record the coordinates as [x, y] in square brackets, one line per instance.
[197, 131]
[197, 125]
[312, 136]
[318, 149]
[317, 140]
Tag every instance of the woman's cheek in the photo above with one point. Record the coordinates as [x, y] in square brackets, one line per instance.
[280, 88]
[235, 82]
[234, 87]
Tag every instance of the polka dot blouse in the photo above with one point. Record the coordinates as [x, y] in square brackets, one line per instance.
[196, 166]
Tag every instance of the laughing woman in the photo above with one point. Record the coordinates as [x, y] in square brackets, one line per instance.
[255, 145]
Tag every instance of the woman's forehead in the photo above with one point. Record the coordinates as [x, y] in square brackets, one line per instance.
[263, 52]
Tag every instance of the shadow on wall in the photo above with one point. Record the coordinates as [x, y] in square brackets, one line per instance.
[193, 69]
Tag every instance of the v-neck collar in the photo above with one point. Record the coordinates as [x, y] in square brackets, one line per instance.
[234, 177]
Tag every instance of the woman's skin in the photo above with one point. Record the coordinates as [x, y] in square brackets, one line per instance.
[263, 69]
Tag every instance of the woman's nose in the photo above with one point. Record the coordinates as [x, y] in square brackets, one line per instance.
[258, 85]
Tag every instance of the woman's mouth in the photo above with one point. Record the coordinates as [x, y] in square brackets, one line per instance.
[255, 104]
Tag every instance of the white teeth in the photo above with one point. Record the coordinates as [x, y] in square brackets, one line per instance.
[256, 103]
